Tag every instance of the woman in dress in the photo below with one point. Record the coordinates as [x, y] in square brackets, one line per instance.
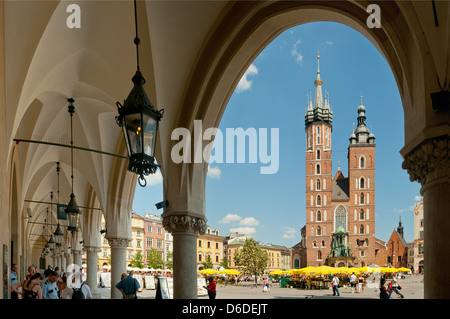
[31, 288]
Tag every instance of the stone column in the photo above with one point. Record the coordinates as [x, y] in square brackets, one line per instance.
[118, 262]
[92, 265]
[63, 261]
[69, 262]
[77, 257]
[429, 164]
[184, 227]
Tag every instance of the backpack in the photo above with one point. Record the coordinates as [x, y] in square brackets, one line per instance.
[77, 293]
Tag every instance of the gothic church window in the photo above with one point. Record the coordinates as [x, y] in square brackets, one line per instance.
[340, 217]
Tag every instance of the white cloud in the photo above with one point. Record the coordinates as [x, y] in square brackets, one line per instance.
[243, 230]
[327, 43]
[417, 198]
[249, 221]
[296, 53]
[214, 172]
[230, 218]
[245, 84]
[397, 210]
[154, 179]
[289, 232]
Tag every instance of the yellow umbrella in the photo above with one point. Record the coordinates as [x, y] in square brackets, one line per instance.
[207, 271]
[277, 272]
[326, 270]
[388, 269]
[367, 269]
[353, 270]
[403, 269]
[230, 272]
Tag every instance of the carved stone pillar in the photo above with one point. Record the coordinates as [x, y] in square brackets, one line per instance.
[185, 227]
[77, 257]
[428, 164]
[69, 261]
[118, 262]
[92, 265]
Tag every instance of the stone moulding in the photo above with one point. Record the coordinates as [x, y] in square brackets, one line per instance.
[119, 242]
[184, 223]
[428, 160]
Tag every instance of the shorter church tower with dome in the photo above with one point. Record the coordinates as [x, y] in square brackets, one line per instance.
[340, 211]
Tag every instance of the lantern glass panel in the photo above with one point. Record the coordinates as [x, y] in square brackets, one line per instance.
[151, 126]
[133, 131]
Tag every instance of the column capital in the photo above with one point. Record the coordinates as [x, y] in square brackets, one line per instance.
[77, 252]
[92, 249]
[119, 242]
[429, 160]
[184, 222]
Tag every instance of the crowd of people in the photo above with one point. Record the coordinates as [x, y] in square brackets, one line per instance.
[51, 284]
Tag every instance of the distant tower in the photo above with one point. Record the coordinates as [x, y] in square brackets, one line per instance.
[361, 179]
[318, 127]
[400, 227]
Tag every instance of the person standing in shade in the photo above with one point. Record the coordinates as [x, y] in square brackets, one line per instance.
[31, 288]
[14, 280]
[49, 287]
[211, 288]
[128, 286]
[335, 284]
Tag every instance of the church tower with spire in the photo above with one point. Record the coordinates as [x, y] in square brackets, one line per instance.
[340, 211]
[318, 128]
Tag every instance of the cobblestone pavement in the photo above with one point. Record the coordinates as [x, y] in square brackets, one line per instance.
[412, 288]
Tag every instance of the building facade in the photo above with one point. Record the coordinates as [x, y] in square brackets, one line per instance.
[210, 246]
[340, 211]
[418, 237]
[397, 249]
[154, 237]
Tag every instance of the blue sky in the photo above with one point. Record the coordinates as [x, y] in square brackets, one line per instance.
[273, 94]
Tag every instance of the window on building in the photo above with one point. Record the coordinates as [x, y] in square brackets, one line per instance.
[209, 245]
[319, 231]
[319, 216]
[200, 243]
[361, 229]
[149, 242]
[159, 243]
[159, 230]
[362, 182]
[217, 245]
[318, 184]
[319, 255]
[361, 198]
[319, 200]
[340, 217]
[362, 162]
[149, 229]
[318, 154]
[318, 169]
[361, 214]
[138, 243]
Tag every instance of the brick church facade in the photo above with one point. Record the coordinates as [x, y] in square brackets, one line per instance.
[340, 211]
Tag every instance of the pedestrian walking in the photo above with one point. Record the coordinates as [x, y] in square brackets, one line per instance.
[211, 288]
[395, 287]
[31, 288]
[353, 282]
[49, 286]
[360, 283]
[128, 286]
[335, 285]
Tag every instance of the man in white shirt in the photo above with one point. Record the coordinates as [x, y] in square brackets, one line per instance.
[335, 284]
[353, 282]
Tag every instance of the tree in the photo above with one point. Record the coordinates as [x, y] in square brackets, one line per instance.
[207, 264]
[154, 259]
[169, 260]
[251, 259]
[138, 260]
[224, 263]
